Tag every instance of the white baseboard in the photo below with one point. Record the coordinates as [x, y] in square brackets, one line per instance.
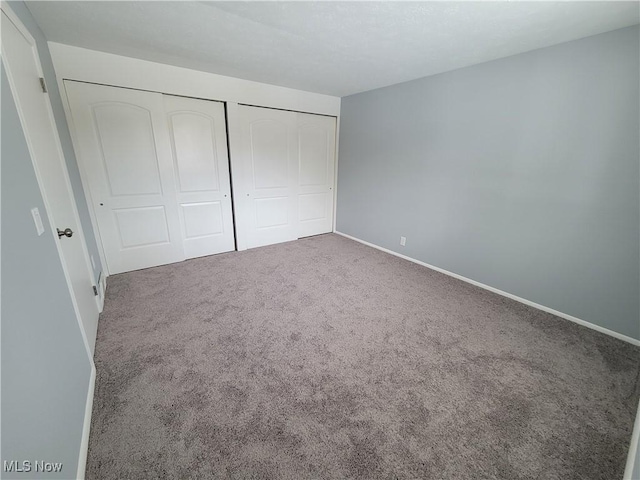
[571, 318]
[102, 289]
[84, 443]
[633, 448]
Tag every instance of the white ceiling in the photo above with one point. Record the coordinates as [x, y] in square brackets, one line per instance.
[336, 48]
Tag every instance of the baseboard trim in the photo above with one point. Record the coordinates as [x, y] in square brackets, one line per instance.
[633, 448]
[571, 318]
[102, 289]
[84, 443]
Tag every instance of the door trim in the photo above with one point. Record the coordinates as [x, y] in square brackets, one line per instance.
[6, 9]
[335, 176]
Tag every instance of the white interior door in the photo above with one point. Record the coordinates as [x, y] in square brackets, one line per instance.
[316, 151]
[270, 172]
[125, 151]
[199, 145]
[24, 72]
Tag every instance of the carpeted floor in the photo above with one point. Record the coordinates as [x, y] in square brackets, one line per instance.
[326, 359]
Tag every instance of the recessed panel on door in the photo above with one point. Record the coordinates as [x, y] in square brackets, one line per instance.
[125, 152]
[270, 165]
[316, 151]
[269, 154]
[203, 219]
[194, 142]
[272, 212]
[125, 135]
[313, 206]
[199, 147]
[142, 226]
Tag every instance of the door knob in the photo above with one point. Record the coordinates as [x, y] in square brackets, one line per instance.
[67, 232]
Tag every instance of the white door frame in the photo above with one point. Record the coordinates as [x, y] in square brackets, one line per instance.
[83, 65]
[335, 175]
[6, 9]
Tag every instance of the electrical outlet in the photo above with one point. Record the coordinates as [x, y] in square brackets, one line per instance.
[403, 241]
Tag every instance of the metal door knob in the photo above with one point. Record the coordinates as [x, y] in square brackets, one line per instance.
[67, 232]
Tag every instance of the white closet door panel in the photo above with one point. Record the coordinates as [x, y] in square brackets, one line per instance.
[316, 150]
[124, 150]
[270, 167]
[199, 144]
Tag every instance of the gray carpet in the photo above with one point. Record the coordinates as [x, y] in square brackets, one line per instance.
[326, 359]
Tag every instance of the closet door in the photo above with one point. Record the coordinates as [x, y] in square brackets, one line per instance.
[270, 171]
[316, 151]
[125, 152]
[199, 145]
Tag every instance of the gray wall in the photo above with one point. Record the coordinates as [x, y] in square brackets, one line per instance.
[20, 9]
[45, 367]
[521, 173]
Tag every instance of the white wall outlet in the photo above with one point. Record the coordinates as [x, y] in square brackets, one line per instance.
[403, 241]
[37, 219]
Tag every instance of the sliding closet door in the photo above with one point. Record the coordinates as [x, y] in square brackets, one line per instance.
[316, 151]
[199, 144]
[270, 172]
[125, 152]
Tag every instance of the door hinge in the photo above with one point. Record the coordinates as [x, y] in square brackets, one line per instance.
[95, 290]
[43, 85]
